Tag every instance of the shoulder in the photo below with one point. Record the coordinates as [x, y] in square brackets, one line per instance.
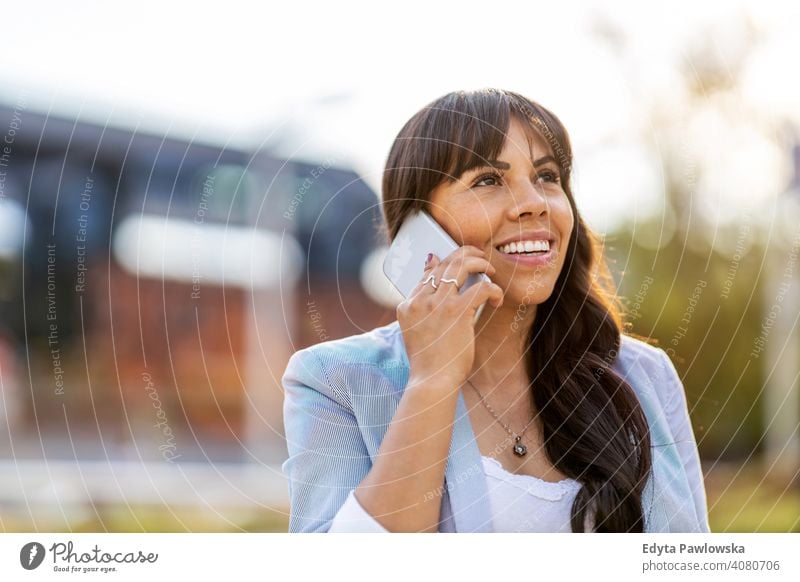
[326, 366]
[644, 365]
[382, 347]
[634, 351]
[648, 368]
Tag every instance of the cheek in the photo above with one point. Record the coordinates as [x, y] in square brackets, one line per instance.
[466, 222]
[564, 216]
[474, 230]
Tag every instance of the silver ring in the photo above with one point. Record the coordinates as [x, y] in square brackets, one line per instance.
[432, 279]
[453, 281]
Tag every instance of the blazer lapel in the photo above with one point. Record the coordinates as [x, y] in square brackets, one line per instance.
[465, 489]
[465, 481]
[376, 394]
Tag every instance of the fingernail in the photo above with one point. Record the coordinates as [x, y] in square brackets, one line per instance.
[428, 260]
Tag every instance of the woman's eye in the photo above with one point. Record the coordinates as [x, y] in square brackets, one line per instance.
[495, 177]
[549, 176]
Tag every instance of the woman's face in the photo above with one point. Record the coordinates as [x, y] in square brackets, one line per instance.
[519, 200]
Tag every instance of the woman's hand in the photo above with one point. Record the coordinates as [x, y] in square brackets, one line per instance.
[437, 323]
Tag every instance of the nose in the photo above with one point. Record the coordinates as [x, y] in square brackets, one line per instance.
[527, 199]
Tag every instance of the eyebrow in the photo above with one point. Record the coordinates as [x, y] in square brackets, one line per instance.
[505, 165]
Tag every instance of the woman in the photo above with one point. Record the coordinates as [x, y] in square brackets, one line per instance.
[541, 417]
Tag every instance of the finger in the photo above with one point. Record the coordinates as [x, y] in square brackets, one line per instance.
[465, 251]
[462, 253]
[430, 264]
[461, 269]
[431, 261]
[481, 292]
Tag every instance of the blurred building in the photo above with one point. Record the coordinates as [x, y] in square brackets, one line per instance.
[154, 288]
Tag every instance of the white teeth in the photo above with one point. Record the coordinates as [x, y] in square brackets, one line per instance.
[527, 246]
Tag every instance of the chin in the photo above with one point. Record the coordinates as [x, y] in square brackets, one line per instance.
[536, 288]
[527, 296]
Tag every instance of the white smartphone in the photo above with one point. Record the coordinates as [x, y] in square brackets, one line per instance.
[419, 235]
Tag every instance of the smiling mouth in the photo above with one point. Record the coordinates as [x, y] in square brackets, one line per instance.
[529, 248]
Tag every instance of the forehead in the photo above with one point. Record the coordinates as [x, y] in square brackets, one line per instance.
[523, 140]
[474, 142]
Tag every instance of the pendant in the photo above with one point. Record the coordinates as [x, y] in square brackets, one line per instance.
[519, 448]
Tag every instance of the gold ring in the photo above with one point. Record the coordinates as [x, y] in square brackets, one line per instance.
[432, 279]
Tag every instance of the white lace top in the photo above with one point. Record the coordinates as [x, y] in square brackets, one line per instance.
[522, 503]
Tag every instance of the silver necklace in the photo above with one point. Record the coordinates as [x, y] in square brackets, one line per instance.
[519, 449]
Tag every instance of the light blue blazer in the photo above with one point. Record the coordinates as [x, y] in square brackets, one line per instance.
[341, 395]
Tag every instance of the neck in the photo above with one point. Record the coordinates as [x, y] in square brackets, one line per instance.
[500, 361]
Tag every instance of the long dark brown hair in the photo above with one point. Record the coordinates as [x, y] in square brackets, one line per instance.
[595, 430]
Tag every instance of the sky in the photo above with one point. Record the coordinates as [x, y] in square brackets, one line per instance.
[315, 80]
